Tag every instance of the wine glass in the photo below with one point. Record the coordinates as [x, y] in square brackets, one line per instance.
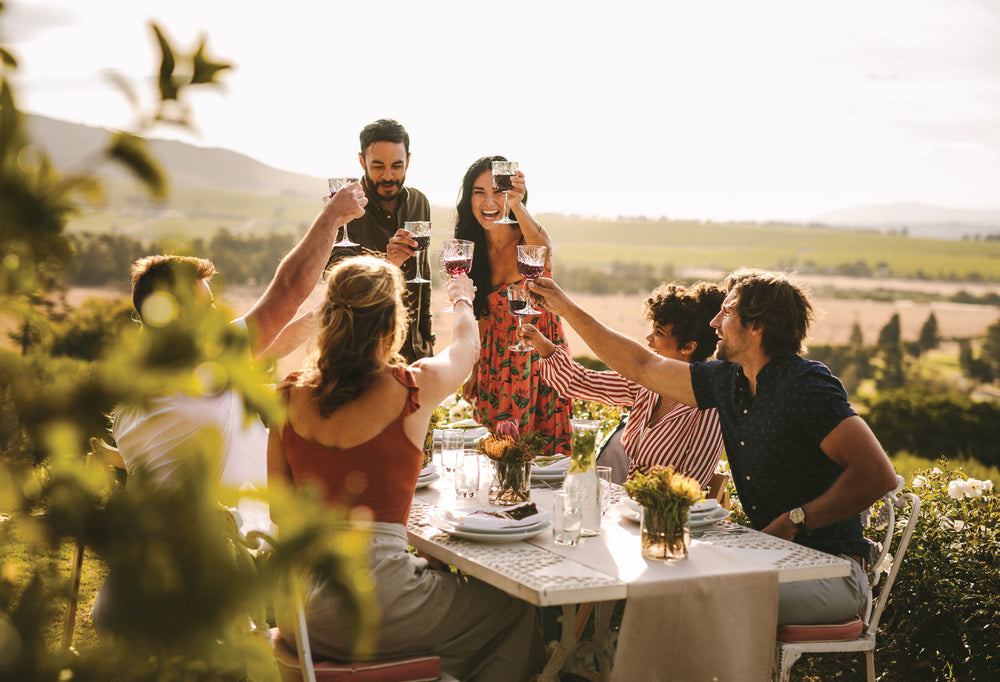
[457, 261]
[518, 302]
[421, 231]
[503, 171]
[335, 185]
[530, 264]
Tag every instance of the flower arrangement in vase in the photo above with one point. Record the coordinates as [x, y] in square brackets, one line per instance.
[666, 498]
[512, 454]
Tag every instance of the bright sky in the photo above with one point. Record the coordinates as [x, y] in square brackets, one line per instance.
[719, 109]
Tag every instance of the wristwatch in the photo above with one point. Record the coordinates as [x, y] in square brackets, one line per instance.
[798, 519]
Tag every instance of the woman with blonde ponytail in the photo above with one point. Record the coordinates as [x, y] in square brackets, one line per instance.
[357, 418]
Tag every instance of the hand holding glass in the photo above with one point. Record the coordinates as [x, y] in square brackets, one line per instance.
[421, 231]
[531, 264]
[503, 171]
[519, 305]
[335, 185]
[457, 261]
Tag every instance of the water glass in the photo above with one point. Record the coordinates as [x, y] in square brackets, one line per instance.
[566, 516]
[467, 474]
[452, 445]
[604, 478]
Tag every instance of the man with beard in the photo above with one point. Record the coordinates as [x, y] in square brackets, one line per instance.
[385, 156]
[805, 465]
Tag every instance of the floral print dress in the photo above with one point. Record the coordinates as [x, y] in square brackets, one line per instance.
[509, 384]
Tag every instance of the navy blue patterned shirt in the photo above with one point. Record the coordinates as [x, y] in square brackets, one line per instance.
[773, 440]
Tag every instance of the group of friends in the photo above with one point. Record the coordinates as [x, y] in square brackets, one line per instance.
[804, 464]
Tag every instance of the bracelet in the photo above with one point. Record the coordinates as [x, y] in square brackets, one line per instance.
[460, 299]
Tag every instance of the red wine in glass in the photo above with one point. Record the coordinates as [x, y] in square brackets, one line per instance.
[420, 231]
[458, 266]
[517, 304]
[423, 242]
[529, 270]
[503, 181]
[516, 307]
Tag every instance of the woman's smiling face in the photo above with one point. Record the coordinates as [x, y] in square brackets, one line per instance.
[487, 202]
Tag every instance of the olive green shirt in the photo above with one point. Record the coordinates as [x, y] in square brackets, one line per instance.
[373, 231]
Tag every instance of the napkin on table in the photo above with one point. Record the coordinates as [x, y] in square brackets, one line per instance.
[485, 519]
[558, 466]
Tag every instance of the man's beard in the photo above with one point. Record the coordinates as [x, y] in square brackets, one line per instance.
[380, 188]
[721, 352]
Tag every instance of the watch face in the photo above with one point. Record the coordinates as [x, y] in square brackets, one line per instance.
[796, 516]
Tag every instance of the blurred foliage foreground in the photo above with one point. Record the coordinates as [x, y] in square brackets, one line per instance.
[189, 597]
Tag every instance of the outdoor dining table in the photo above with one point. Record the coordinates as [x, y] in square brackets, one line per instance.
[711, 616]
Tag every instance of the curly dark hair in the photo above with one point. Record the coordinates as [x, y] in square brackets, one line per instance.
[176, 274]
[384, 130]
[689, 309]
[781, 308]
[467, 227]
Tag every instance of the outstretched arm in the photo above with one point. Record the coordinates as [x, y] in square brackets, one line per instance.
[668, 377]
[299, 271]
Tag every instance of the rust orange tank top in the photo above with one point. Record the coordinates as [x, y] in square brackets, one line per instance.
[380, 474]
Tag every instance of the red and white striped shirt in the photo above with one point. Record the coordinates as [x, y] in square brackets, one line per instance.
[686, 438]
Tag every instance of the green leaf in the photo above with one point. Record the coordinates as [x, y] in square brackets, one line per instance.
[168, 89]
[204, 69]
[130, 150]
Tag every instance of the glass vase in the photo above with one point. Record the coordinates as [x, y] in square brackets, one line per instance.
[665, 534]
[511, 483]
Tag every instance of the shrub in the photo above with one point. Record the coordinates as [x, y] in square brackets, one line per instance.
[943, 616]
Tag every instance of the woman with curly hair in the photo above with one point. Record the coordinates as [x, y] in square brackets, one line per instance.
[660, 431]
[505, 385]
[357, 418]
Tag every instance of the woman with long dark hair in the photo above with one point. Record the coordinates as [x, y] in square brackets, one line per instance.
[357, 418]
[504, 387]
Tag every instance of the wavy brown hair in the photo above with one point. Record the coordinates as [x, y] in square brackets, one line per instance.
[362, 327]
[689, 310]
[779, 307]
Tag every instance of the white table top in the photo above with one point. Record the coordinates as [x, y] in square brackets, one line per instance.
[601, 568]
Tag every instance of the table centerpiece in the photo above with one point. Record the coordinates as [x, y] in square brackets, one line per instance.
[666, 498]
[512, 454]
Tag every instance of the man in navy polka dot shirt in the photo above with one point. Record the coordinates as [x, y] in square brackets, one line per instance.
[805, 465]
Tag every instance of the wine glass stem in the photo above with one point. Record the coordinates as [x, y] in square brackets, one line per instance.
[505, 211]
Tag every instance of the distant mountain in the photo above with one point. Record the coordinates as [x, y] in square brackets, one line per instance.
[72, 145]
[918, 220]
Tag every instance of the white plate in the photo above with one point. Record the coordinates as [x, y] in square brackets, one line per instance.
[440, 520]
[425, 481]
[494, 537]
[703, 520]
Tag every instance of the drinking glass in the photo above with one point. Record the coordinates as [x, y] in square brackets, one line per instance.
[518, 302]
[565, 519]
[530, 264]
[452, 444]
[457, 261]
[503, 171]
[421, 231]
[604, 478]
[467, 474]
[335, 184]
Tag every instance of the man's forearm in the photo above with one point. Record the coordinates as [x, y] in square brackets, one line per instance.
[630, 359]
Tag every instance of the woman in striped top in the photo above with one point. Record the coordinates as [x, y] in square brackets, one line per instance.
[659, 431]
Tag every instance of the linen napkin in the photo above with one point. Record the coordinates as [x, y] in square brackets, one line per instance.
[555, 467]
[492, 519]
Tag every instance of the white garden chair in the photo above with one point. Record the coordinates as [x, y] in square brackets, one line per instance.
[856, 634]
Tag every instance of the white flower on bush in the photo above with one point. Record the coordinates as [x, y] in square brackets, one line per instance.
[972, 487]
[936, 471]
[919, 482]
[952, 524]
[885, 565]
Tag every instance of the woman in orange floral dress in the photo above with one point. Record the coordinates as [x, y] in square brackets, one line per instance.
[505, 384]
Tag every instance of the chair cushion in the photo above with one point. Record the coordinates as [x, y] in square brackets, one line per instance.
[409, 669]
[828, 632]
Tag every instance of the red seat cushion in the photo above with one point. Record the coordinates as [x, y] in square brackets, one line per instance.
[409, 669]
[829, 632]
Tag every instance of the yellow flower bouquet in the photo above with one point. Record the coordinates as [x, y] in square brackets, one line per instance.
[666, 498]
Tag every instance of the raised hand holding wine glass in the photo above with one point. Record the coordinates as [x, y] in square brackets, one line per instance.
[531, 264]
[335, 185]
[503, 173]
[421, 232]
[457, 261]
